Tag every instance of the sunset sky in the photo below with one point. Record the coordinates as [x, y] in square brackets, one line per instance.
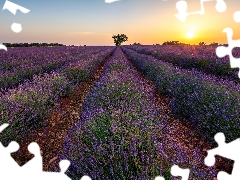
[93, 22]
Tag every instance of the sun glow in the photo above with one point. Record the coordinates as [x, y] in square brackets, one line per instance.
[190, 34]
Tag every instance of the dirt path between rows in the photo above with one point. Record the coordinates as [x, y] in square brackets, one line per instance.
[181, 135]
[178, 132]
[62, 118]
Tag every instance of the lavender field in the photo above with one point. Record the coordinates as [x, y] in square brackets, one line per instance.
[127, 112]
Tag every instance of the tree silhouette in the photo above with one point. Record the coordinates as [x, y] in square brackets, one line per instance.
[202, 43]
[174, 43]
[119, 39]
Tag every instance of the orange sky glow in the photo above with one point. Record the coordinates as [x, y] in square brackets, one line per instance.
[93, 22]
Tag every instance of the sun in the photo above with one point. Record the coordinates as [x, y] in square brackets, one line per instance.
[190, 34]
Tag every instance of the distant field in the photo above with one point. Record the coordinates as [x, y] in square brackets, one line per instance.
[136, 103]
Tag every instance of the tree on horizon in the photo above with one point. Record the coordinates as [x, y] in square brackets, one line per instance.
[119, 39]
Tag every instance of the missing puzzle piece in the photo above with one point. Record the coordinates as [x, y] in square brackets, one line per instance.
[176, 171]
[12, 7]
[236, 16]
[228, 150]
[33, 169]
[182, 8]
[111, 1]
[3, 47]
[222, 51]
[7, 165]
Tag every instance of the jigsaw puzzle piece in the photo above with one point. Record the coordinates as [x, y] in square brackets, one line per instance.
[177, 171]
[8, 165]
[32, 170]
[111, 1]
[182, 8]
[64, 164]
[3, 126]
[3, 47]
[159, 178]
[222, 51]
[236, 16]
[223, 176]
[86, 178]
[220, 139]
[5, 156]
[221, 6]
[35, 165]
[228, 150]
[12, 7]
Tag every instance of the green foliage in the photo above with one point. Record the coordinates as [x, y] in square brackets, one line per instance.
[136, 43]
[174, 43]
[167, 174]
[76, 74]
[213, 44]
[119, 39]
[202, 43]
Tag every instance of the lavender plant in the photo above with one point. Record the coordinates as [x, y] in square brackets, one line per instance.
[22, 63]
[120, 135]
[112, 139]
[202, 58]
[212, 104]
[27, 106]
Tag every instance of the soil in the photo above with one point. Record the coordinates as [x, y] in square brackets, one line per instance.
[60, 120]
[181, 131]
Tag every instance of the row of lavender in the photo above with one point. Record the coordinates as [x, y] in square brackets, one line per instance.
[26, 106]
[19, 64]
[112, 139]
[211, 104]
[201, 58]
[30, 55]
[119, 134]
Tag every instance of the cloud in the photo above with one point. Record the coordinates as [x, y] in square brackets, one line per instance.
[110, 1]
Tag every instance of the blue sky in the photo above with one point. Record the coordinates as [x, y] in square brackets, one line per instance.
[93, 22]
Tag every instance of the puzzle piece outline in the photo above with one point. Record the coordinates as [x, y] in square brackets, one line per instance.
[222, 51]
[12, 7]
[174, 168]
[32, 169]
[227, 150]
[182, 6]
[177, 171]
[111, 1]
